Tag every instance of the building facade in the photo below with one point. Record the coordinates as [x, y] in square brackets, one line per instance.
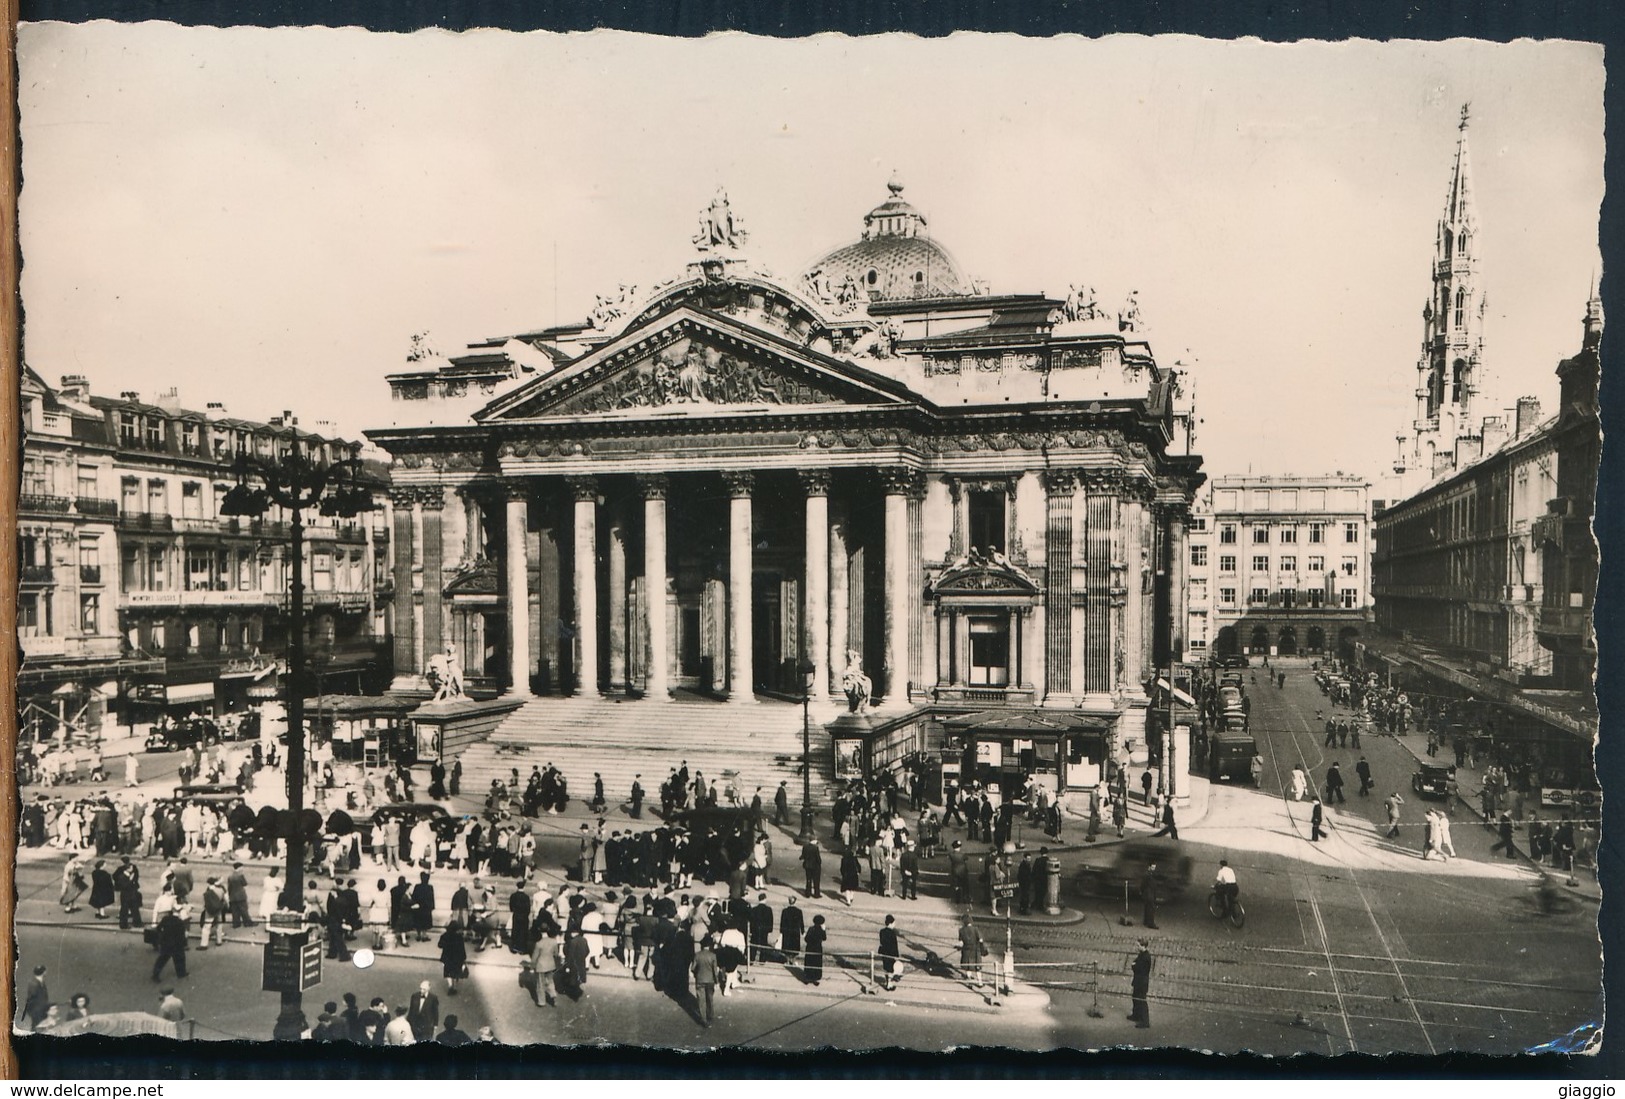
[1283, 564]
[875, 470]
[130, 568]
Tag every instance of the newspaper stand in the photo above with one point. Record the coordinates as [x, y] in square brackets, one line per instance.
[293, 962]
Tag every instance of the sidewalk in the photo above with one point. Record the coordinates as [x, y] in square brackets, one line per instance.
[1469, 782]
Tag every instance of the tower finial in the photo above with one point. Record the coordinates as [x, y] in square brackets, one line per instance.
[894, 185]
[1464, 114]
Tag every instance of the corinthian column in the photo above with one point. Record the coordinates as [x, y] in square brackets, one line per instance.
[434, 579]
[658, 686]
[741, 650]
[585, 490]
[518, 576]
[401, 628]
[896, 482]
[815, 622]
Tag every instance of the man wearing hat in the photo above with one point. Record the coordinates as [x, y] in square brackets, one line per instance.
[1141, 988]
[812, 861]
[127, 880]
[237, 896]
[1148, 897]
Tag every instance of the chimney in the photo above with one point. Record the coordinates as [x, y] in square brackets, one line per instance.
[1443, 461]
[1528, 415]
[169, 399]
[75, 387]
[130, 395]
[1468, 449]
[215, 409]
[1495, 433]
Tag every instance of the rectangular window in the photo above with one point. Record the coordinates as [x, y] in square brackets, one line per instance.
[87, 482]
[1351, 532]
[1348, 597]
[158, 497]
[1317, 598]
[1227, 534]
[1199, 555]
[1261, 562]
[1351, 565]
[129, 569]
[90, 613]
[1317, 533]
[130, 495]
[157, 568]
[321, 571]
[28, 613]
[1261, 536]
[191, 500]
[1317, 564]
[1198, 524]
[152, 433]
[1227, 562]
[1261, 499]
[1289, 536]
[189, 439]
[1259, 597]
[1227, 596]
[199, 569]
[36, 476]
[245, 570]
[1289, 563]
[985, 511]
[1288, 598]
[989, 652]
[129, 429]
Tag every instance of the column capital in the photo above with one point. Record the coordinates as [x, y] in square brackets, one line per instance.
[814, 482]
[1101, 480]
[403, 496]
[654, 486]
[901, 481]
[1139, 488]
[739, 482]
[514, 489]
[1059, 482]
[583, 486]
[432, 497]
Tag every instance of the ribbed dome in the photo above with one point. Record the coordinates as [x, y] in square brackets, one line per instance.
[893, 260]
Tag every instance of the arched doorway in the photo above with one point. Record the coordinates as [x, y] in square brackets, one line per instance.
[1226, 643]
[1260, 642]
[1316, 639]
[1287, 643]
[1345, 642]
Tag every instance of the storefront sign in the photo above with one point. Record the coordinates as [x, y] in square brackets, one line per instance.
[990, 753]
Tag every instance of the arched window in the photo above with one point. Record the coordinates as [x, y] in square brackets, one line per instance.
[1447, 244]
[1461, 243]
[874, 276]
[1461, 306]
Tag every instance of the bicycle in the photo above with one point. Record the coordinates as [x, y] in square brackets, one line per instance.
[1234, 912]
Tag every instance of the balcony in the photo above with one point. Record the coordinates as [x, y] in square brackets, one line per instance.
[37, 574]
[1569, 625]
[95, 505]
[145, 520]
[41, 503]
[90, 574]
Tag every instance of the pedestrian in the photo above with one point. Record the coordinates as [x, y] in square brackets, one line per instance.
[1300, 782]
[170, 1006]
[890, 952]
[1393, 802]
[1148, 897]
[450, 1035]
[214, 914]
[543, 965]
[37, 1002]
[127, 880]
[1441, 835]
[1024, 883]
[423, 911]
[637, 797]
[959, 873]
[1169, 828]
[1316, 818]
[1140, 987]
[972, 949]
[171, 935]
[1334, 784]
[575, 961]
[781, 803]
[812, 863]
[813, 959]
[1145, 787]
[1362, 769]
[132, 770]
[850, 872]
[705, 981]
[453, 956]
[399, 1031]
[73, 882]
[423, 1013]
[237, 896]
[102, 893]
[909, 871]
[792, 923]
[1505, 843]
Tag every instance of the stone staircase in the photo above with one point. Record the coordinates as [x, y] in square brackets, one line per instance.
[623, 739]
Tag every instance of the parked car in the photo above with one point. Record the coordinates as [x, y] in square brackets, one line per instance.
[173, 736]
[1235, 660]
[1431, 780]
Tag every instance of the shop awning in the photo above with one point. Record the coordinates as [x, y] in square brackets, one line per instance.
[189, 692]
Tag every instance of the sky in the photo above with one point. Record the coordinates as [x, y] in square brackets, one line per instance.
[265, 217]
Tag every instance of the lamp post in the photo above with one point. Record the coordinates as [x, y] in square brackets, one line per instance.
[807, 670]
[296, 482]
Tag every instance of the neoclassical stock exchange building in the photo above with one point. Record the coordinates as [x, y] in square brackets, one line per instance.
[656, 525]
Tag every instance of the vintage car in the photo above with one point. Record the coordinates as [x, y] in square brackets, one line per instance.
[1128, 862]
[1432, 780]
[174, 736]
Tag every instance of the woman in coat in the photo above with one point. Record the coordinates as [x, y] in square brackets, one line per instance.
[102, 892]
[453, 956]
[813, 958]
[850, 870]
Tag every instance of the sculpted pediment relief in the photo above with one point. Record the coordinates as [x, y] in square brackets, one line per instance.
[691, 372]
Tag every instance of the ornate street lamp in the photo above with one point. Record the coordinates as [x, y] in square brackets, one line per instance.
[807, 670]
[296, 482]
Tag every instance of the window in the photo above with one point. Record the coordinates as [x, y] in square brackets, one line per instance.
[1261, 536]
[1348, 596]
[129, 569]
[130, 495]
[36, 477]
[1198, 524]
[1351, 532]
[1289, 536]
[989, 652]
[152, 433]
[321, 571]
[985, 513]
[199, 569]
[1461, 305]
[87, 482]
[1317, 533]
[1289, 563]
[129, 429]
[1227, 596]
[245, 570]
[1261, 562]
[90, 557]
[1227, 562]
[192, 500]
[1288, 598]
[28, 613]
[1261, 499]
[158, 497]
[1317, 598]
[1351, 565]
[1227, 534]
[157, 568]
[1199, 555]
[1317, 564]
[90, 613]
[189, 439]
[1259, 597]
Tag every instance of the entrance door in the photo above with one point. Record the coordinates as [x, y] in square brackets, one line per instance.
[766, 629]
[688, 642]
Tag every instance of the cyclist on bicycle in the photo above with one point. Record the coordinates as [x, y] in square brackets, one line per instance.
[1226, 886]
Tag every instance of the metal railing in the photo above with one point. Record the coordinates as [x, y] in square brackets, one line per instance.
[90, 574]
[95, 505]
[37, 574]
[43, 502]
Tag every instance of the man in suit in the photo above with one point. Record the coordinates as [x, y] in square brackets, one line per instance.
[812, 861]
[1148, 897]
[1024, 883]
[181, 881]
[909, 865]
[1141, 988]
[781, 803]
[792, 924]
[959, 873]
[1317, 816]
[38, 1001]
[761, 928]
[890, 952]
[237, 896]
[423, 1013]
[127, 880]
[1363, 770]
[519, 908]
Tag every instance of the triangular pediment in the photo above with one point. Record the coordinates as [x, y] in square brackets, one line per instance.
[979, 574]
[690, 361]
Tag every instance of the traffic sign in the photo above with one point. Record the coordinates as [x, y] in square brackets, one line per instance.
[292, 963]
[310, 968]
[1005, 889]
